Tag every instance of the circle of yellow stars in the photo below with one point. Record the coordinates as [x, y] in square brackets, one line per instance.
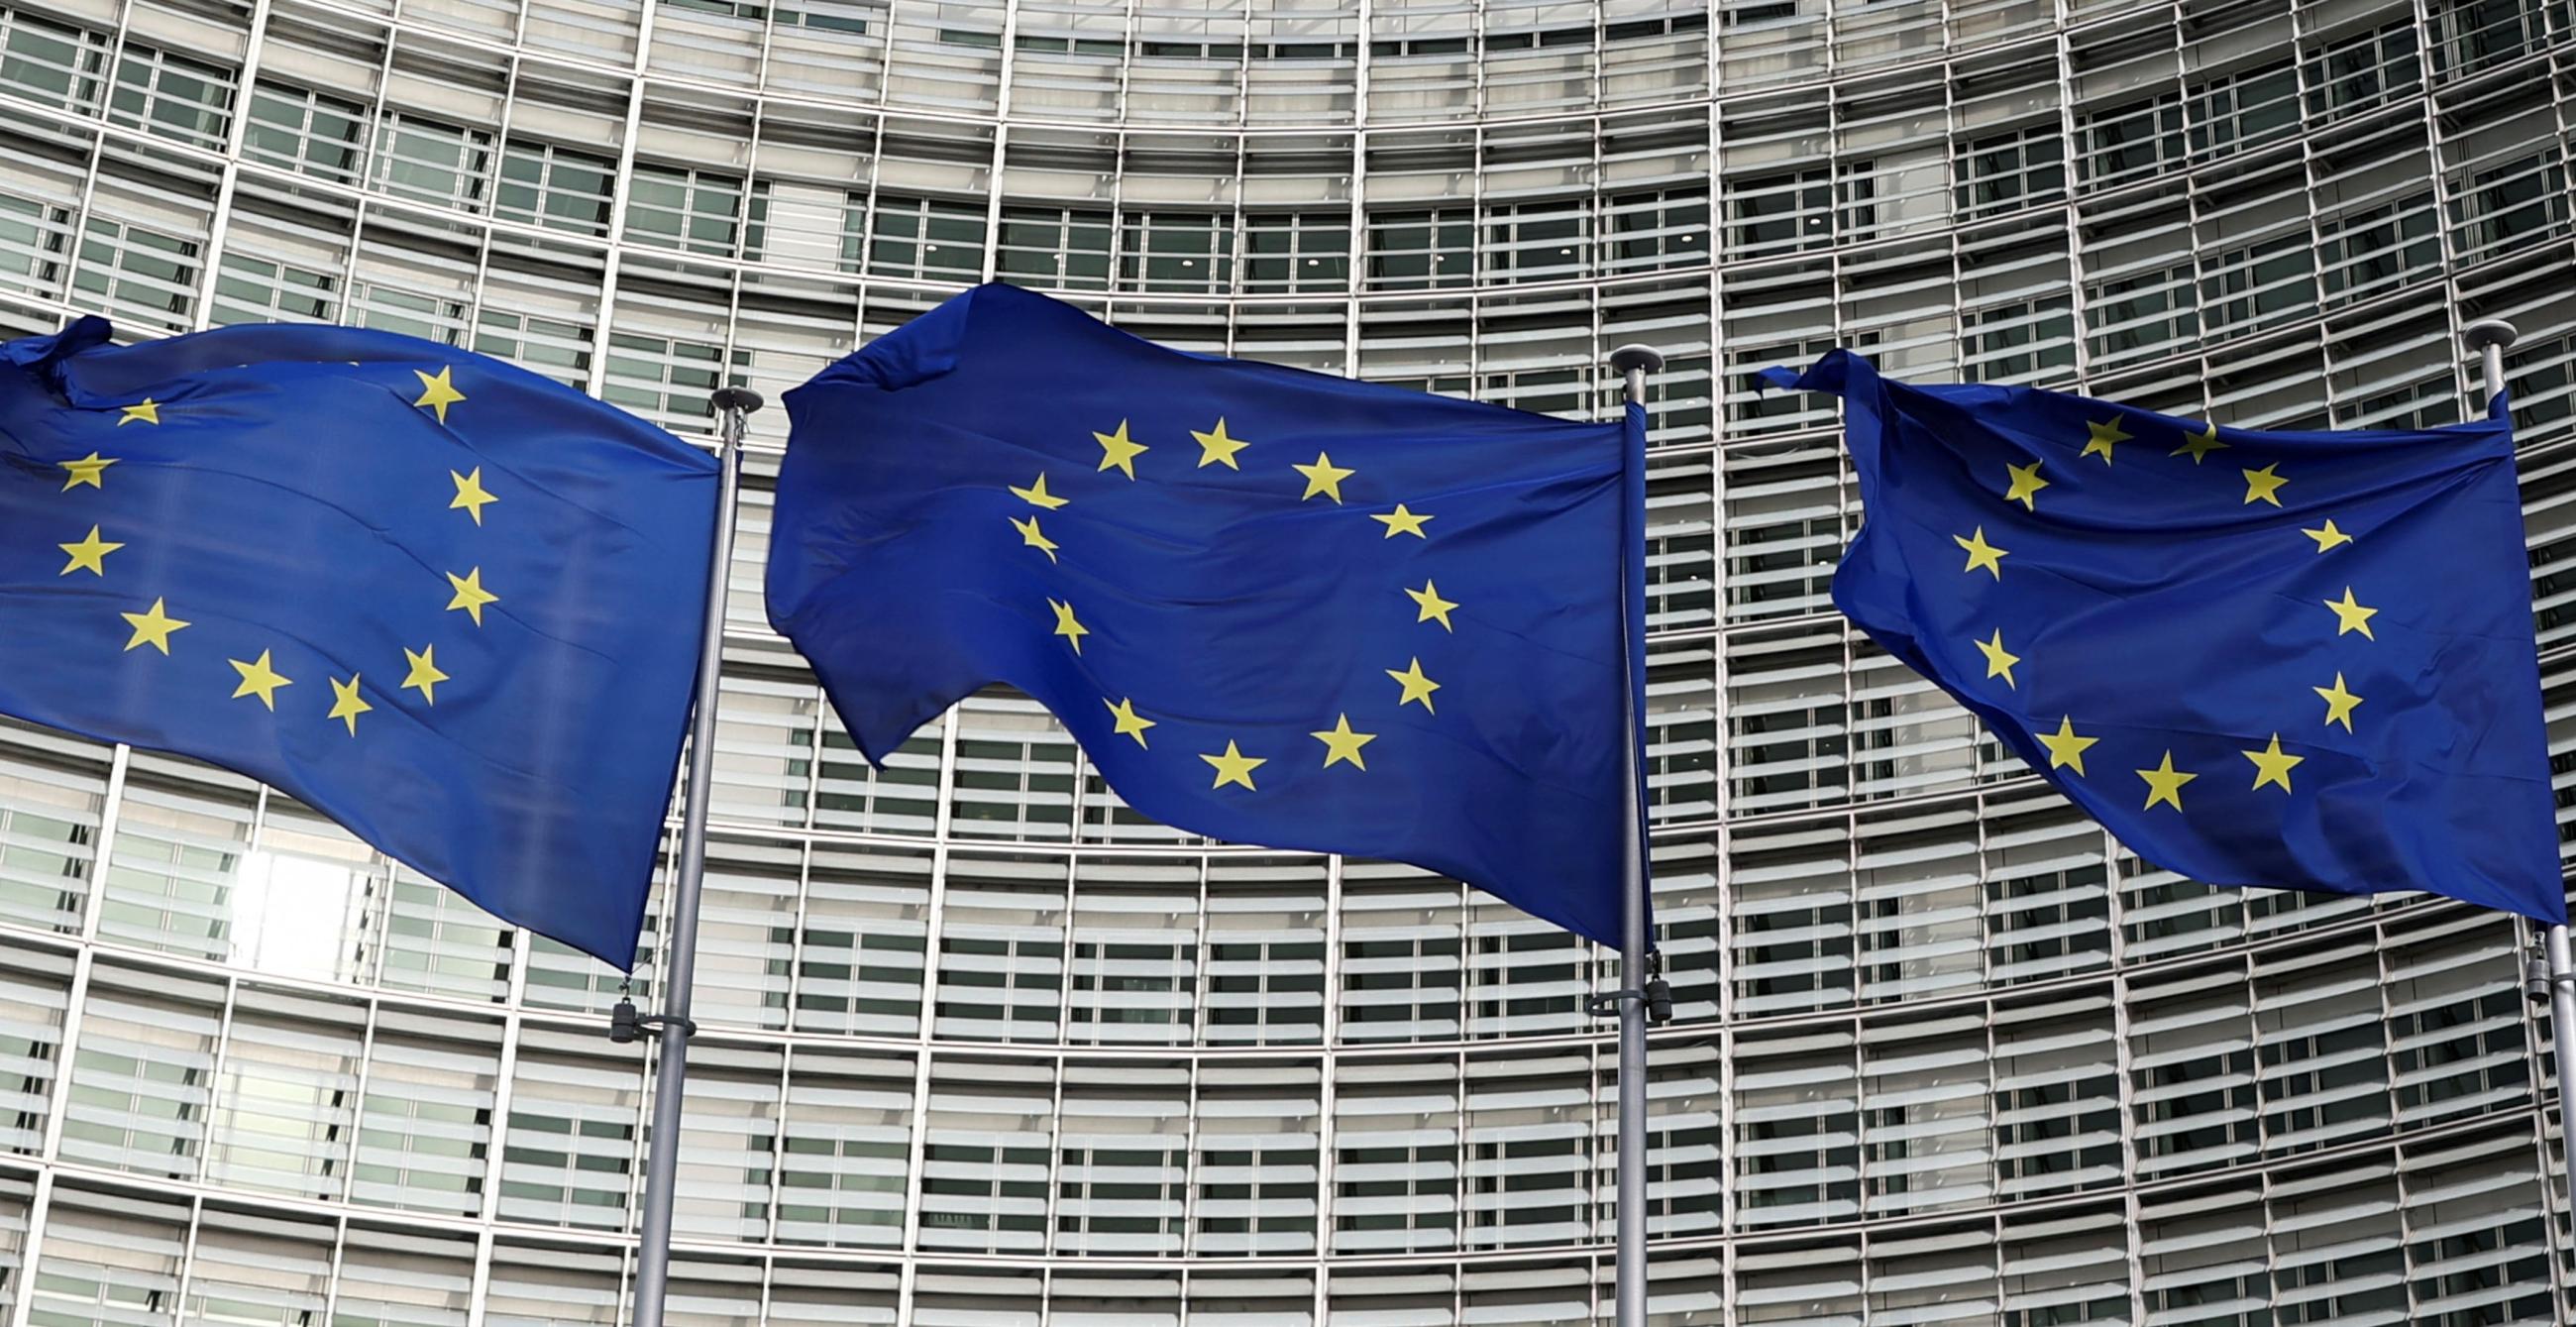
[2272, 765]
[1233, 767]
[259, 679]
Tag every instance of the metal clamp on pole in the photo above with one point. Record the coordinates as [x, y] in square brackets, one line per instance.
[1657, 993]
[1610, 1004]
[680, 958]
[625, 1026]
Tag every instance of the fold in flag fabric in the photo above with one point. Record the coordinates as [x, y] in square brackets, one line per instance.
[2295, 660]
[425, 592]
[1274, 607]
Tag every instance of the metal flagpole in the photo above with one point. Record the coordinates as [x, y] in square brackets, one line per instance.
[2551, 975]
[1641, 986]
[2561, 980]
[680, 956]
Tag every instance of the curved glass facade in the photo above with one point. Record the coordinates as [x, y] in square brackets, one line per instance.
[981, 1046]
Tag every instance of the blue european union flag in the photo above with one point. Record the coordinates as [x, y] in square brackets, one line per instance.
[1274, 607]
[440, 599]
[2298, 660]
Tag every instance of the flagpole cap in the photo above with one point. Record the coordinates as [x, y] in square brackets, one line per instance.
[2488, 332]
[737, 398]
[1631, 357]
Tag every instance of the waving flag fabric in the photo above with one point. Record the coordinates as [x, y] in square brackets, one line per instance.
[1275, 607]
[442, 600]
[2300, 660]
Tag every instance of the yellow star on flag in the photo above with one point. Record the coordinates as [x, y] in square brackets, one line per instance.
[424, 677]
[1030, 535]
[86, 470]
[258, 679]
[346, 705]
[469, 492]
[149, 412]
[1036, 495]
[1217, 449]
[1119, 451]
[1066, 627]
[2271, 765]
[1416, 685]
[2351, 616]
[2025, 486]
[2164, 784]
[2261, 485]
[89, 554]
[1323, 477]
[1982, 554]
[1999, 661]
[152, 628]
[1127, 721]
[2105, 437]
[2339, 703]
[470, 594]
[2065, 749]
[2328, 537]
[438, 392]
[1403, 521]
[1340, 743]
[1235, 767]
[2198, 445]
[1434, 608]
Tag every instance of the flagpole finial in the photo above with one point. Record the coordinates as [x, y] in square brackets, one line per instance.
[2488, 332]
[1633, 356]
[736, 398]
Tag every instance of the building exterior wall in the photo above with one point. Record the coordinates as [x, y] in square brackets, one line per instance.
[983, 1047]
